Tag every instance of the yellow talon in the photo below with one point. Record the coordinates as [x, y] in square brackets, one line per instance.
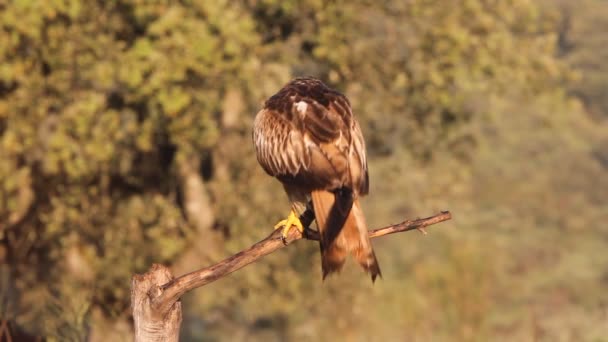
[291, 221]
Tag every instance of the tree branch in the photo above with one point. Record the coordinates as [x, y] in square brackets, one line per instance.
[155, 294]
[174, 289]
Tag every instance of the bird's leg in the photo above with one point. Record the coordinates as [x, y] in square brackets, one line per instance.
[307, 216]
[292, 220]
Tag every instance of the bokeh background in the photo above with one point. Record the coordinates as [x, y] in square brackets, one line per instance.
[125, 140]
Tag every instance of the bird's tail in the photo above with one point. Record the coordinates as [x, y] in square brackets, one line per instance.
[342, 229]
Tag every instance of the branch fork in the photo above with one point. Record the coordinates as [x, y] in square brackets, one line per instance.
[155, 294]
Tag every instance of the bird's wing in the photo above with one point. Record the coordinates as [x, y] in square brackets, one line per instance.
[316, 142]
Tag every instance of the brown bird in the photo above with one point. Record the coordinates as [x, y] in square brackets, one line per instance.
[307, 137]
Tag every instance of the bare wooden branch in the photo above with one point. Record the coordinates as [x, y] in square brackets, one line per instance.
[155, 294]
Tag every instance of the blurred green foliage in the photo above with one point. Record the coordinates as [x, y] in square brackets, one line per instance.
[125, 140]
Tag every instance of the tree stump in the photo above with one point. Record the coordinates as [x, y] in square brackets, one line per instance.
[154, 322]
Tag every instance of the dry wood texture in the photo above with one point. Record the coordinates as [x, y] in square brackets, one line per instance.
[155, 294]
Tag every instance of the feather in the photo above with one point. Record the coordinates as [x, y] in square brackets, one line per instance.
[343, 230]
[307, 137]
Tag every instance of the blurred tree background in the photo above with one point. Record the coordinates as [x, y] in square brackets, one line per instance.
[125, 140]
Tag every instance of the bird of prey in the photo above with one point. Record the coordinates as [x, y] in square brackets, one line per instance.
[307, 137]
